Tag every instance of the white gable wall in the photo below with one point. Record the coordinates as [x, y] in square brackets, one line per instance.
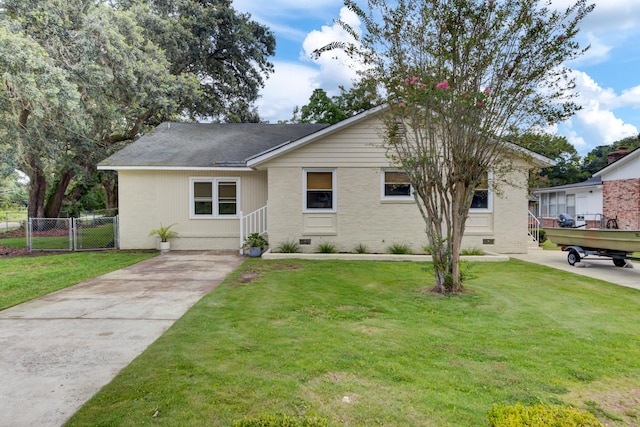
[627, 167]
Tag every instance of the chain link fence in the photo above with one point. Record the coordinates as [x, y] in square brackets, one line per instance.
[72, 234]
[12, 220]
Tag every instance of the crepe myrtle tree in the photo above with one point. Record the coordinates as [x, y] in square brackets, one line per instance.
[458, 76]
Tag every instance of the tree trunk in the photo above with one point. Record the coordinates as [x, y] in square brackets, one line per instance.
[111, 188]
[37, 188]
[54, 202]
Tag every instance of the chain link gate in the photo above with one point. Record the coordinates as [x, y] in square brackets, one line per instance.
[72, 234]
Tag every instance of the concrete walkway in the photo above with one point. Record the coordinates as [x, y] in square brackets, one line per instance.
[57, 351]
[591, 266]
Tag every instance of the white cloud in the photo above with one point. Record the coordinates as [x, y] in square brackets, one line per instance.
[608, 15]
[596, 123]
[284, 17]
[597, 53]
[631, 97]
[290, 85]
[336, 68]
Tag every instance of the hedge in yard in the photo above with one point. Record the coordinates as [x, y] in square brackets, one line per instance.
[540, 416]
[281, 421]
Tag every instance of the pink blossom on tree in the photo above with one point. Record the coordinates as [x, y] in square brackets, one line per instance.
[443, 85]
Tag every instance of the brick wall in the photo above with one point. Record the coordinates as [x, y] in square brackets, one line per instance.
[621, 200]
[362, 217]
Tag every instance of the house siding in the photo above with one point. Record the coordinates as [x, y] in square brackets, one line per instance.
[588, 206]
[148, 198]
[621, 200]
[358, 145]
[361, 216]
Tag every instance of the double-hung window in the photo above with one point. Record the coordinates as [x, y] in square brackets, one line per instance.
[319, 190]
[215, 197]
[555, 203]
[483, 196]
[396, 185]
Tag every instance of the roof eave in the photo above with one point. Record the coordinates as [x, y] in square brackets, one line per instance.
[176, 168]
[537, 159]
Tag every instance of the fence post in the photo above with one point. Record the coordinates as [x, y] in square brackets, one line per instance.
[29, 233]
[116, 232]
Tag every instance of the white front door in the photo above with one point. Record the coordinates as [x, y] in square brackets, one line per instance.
[581, 209]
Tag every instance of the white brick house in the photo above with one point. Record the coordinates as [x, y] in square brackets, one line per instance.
[309, 184]
[611, 197]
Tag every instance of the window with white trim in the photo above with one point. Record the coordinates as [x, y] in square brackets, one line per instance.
[483, 196]
[215, 197]
[555, 203]
[396, 185]
[319, 190]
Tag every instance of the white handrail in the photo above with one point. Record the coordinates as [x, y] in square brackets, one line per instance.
[534, 227]
[254, 222]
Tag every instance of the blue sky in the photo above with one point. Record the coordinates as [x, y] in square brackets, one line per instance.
[607, 76]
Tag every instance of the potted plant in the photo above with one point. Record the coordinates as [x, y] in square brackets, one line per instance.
[256, 243]
[164, 233]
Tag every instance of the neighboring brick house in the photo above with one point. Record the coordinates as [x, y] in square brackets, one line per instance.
[610, 198]
[621, 191]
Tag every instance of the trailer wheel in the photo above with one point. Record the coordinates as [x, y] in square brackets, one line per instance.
[573, 257]
[619, 262]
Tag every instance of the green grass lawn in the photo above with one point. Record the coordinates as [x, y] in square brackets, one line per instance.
[365, 343]
[13, 242]
[25, 278]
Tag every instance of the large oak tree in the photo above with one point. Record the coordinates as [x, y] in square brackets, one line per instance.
[80, 78]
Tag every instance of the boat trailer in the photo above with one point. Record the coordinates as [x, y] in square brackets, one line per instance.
[619, 258]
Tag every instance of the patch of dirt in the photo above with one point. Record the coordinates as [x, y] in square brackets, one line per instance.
[245, 278]
[18, 232]
[11, 252]
[248, 277]
[614, 407]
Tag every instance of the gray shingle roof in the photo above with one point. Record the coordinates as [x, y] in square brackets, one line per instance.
[206, 144]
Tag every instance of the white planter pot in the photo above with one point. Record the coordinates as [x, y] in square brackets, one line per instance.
[165, 246]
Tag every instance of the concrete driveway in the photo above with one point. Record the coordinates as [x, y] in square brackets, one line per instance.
[596, 267]
[57, 351]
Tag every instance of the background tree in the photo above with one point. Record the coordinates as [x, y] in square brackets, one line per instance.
[459, 75]
[322, 109]
[567, 169]
[227, 51]
[596, 159]
[13, 193]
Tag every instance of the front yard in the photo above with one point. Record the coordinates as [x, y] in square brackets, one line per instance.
[365, 343]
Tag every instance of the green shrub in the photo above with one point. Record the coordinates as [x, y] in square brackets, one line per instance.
[399, 249]
[281, 421]
[288, 247]
[361, 248]
[428, 250]
[326, 248]
[540, 416]
[542, 236]
[472, 251]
